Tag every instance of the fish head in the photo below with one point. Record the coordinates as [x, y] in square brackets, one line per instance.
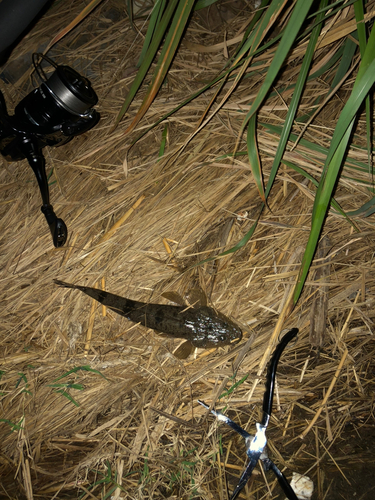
[213, 329]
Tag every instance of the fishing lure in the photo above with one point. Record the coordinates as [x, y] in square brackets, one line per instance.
[202, 326]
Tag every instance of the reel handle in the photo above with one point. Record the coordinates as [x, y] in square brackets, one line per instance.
[37, 162]
[57, 226]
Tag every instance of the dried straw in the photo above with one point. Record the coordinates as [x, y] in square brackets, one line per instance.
[130, 426]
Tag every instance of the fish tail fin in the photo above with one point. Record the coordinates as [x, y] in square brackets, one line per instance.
[86, 289]
[118, 304]
[64, 284]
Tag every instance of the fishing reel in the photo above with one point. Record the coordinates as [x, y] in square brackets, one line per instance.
[51, 115]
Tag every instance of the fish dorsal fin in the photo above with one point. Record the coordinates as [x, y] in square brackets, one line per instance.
[174, 297]
[196, 297]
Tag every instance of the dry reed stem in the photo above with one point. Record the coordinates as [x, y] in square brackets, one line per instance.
[121, 221]
[326, 397]
[91, 324]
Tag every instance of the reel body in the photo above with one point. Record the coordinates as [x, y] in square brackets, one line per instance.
[51, 115]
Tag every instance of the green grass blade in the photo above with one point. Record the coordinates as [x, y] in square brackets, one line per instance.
[253, 154]
[130, 13]
[260, 30]
[171, 43]
[341, 136]
[361, 30]
[322, 70]
[143, 70]
[201, 4]
[366, 210]
[251, 26]
[334, 203]
[295, 22]
[233, 387]
[110, 492]
[321, 205]
[239, 245]
[363, 83]
[154, 22]
[77, 387]
[69, 397]
[236, 65]
[314, 148]
[361, 27]
[350, 48]
[77, 20]
[13, 426]
[86, 368]
[293, 107]
[251, 131]
[22, 377]
[333, 8]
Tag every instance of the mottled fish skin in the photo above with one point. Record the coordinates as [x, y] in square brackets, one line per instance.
[202, 326]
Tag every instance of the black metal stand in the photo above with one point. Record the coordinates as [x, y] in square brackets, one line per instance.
[256, 445]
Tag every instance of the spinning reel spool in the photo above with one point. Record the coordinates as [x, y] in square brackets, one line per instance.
[51, 115]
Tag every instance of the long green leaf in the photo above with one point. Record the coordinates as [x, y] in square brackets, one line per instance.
[295, 22]
[321, 150]
[363, 83]
[250, 28]
[159, 33]
[155, 19]
[251, 132]
[321, 206]
[303, 172]
[292, 110]
[86, 368]
[171, 43]
[201, 4]
[366, 210]
[69, 397]
[339, 144]
[81, 16]
[361, 30]
[239, 245]
[253, 154]
[260, 30]
[249, 74]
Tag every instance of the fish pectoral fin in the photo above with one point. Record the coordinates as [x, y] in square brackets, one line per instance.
[184, 350]
[162, 334]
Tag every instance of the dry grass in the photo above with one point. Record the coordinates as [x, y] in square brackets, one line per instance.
[141, 418]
